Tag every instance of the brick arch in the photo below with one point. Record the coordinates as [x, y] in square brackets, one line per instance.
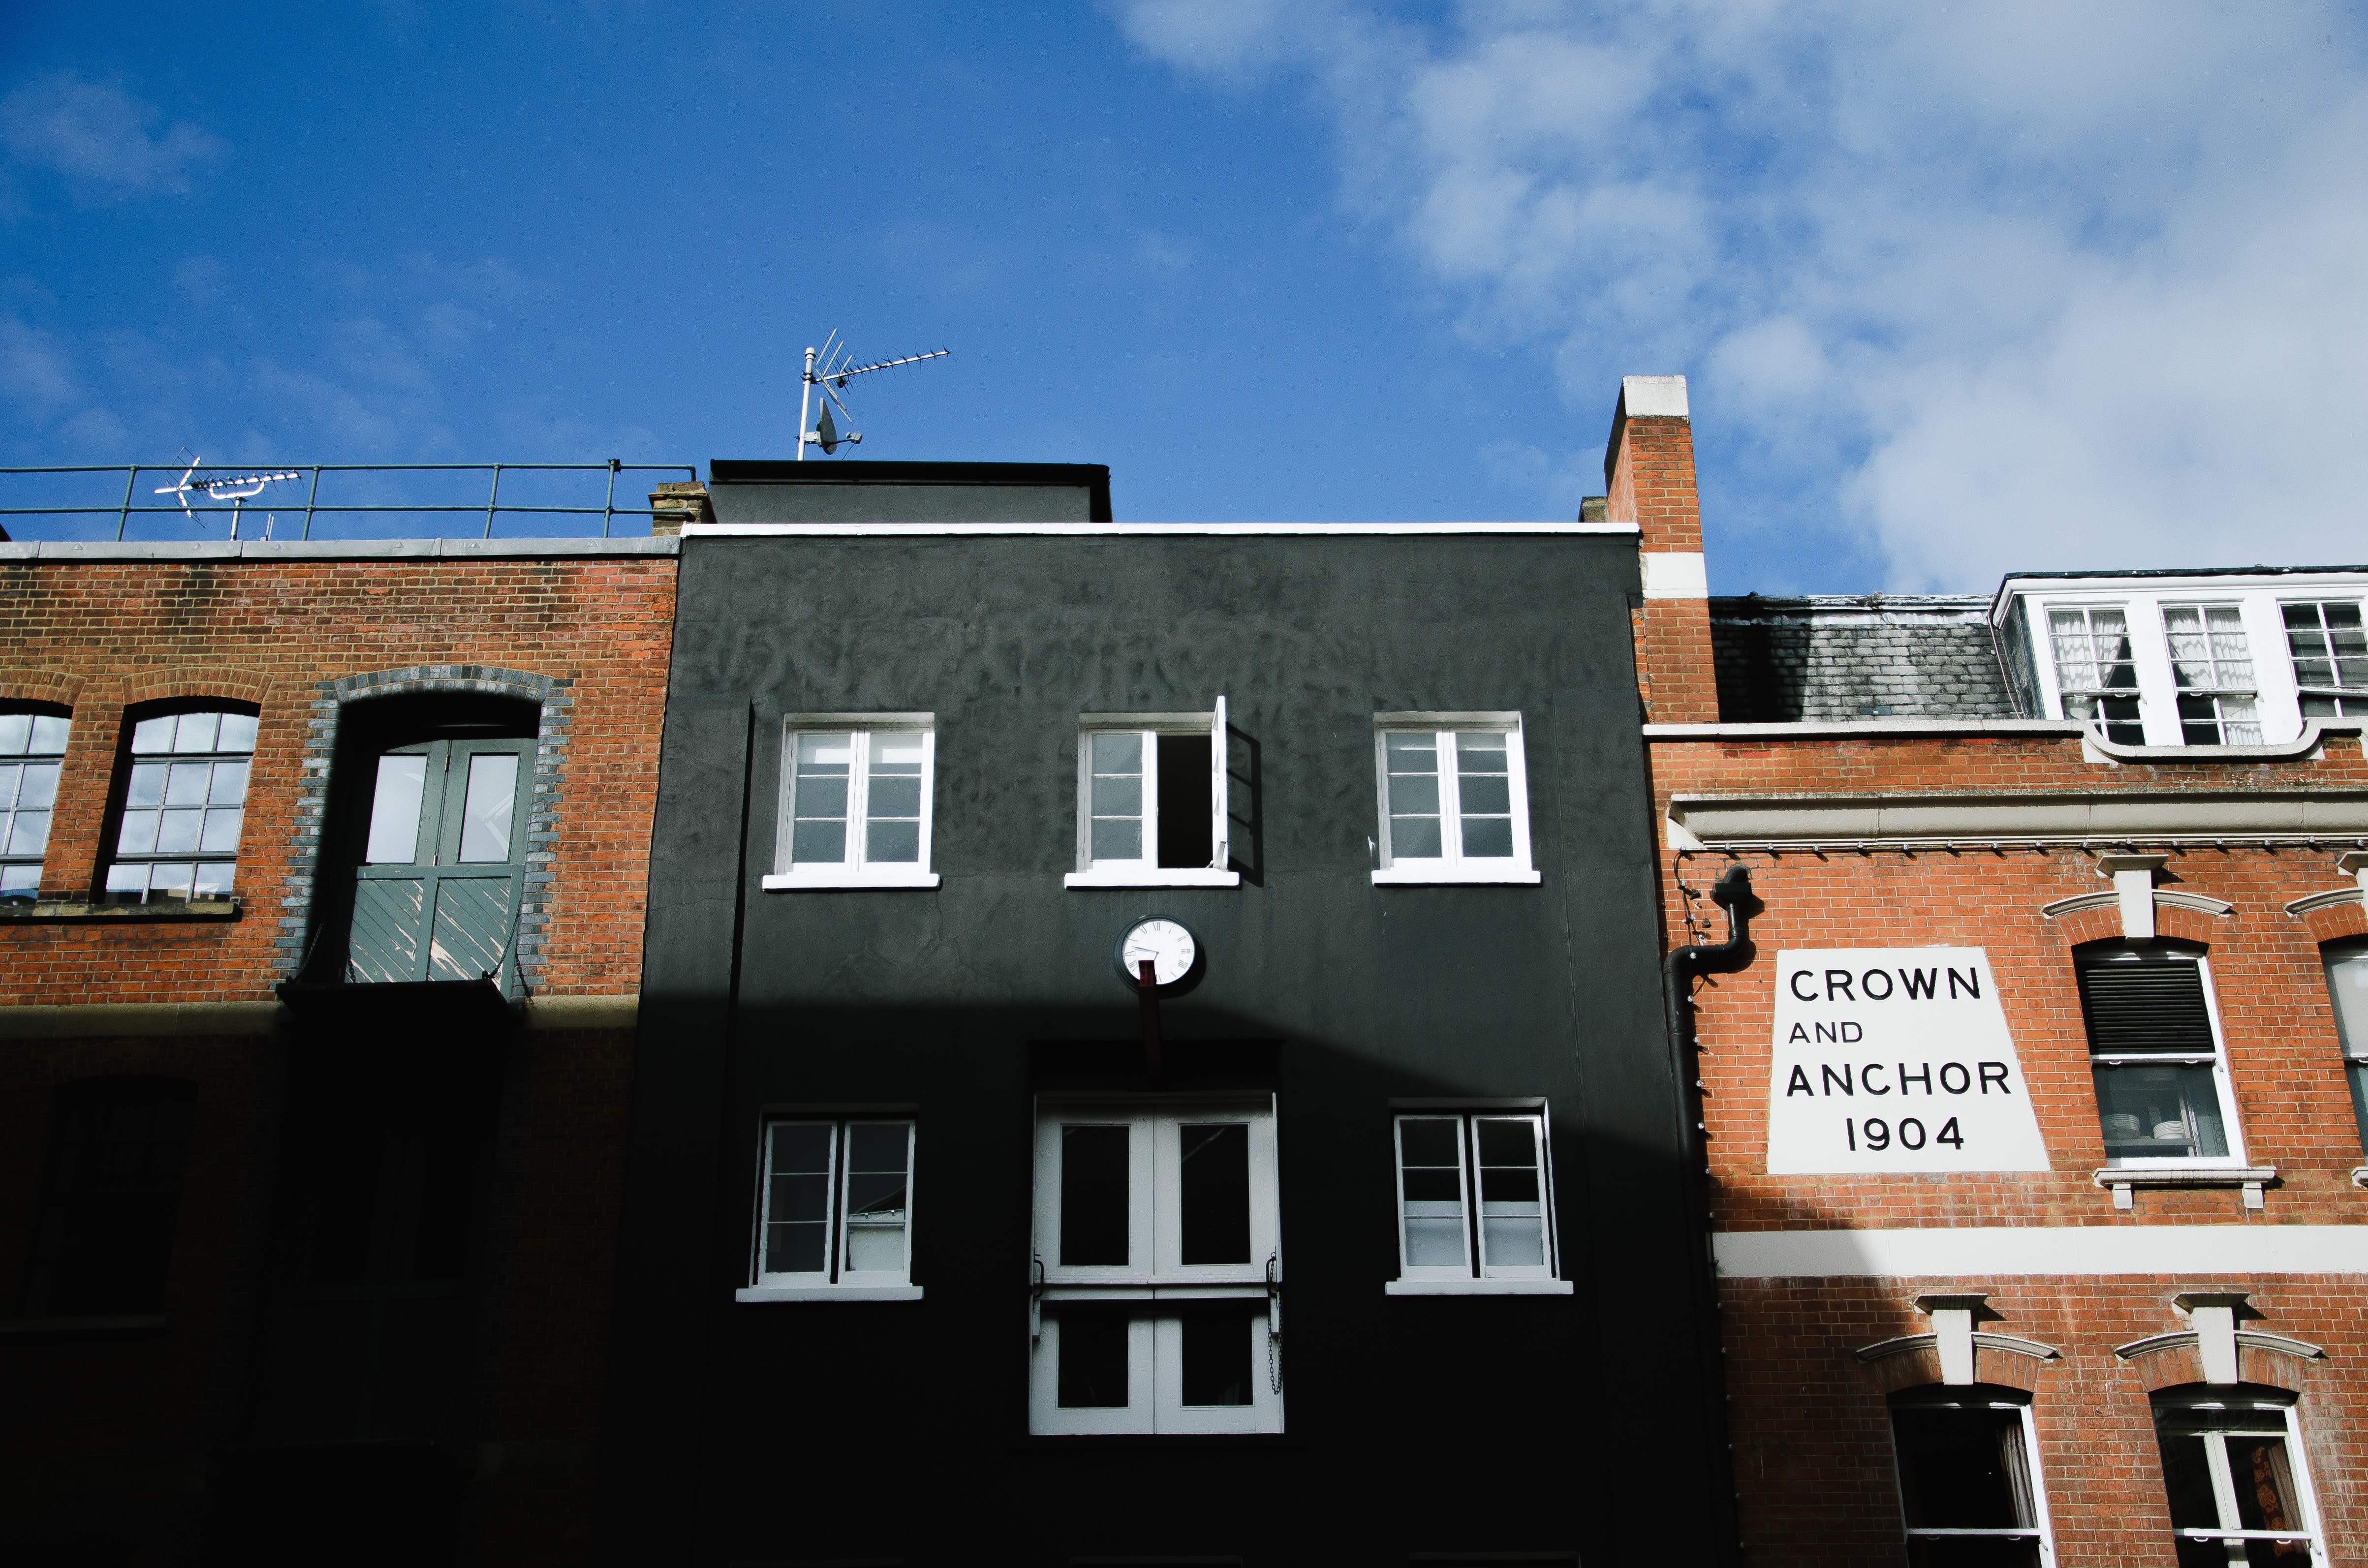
[553, 697]
[38, 686]
[2181, 1365]
[2336, 921]
[1920, 1366]
[159, 684]
[2102, 923]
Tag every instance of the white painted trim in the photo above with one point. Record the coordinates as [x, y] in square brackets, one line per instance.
[1674, 574]
[1986, 1251]
[2107, 817]
[760, 1293]
[1420, 875]
[1163, 877]
[2305, 747]
[1136, 530]
[844, 881]
[2319, 900]
[1477, 1288]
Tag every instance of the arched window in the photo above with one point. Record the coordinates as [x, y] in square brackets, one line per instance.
[32, 747]
[181, 802]
[429, 836]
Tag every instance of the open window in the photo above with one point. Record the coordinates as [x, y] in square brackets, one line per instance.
[32, 749]
[1152, 801]
[181, 802]
[428, 841]
[1969, 1487]
[2212, 668]
[2155, 1055]
[1455, 798]
[1157, 1267]
[2096, 669]
[2238, 1484]
[2329, 649]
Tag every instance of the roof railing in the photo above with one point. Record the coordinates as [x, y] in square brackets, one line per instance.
[189, 500]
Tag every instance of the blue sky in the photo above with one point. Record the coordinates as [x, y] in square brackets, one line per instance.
[2042, 287]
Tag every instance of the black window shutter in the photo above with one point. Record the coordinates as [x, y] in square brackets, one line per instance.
[2132, 1008]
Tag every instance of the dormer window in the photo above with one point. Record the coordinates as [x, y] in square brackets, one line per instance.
[2211, 665]
[2330, 658]
[2096, 671]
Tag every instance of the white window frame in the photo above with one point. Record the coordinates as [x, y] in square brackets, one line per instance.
[854, 871]
[1154, 1275]
[2216, 694]
[1475, 1276]
[1145, 871]
[2352, 698]
[836, 1281]
[2287, 1418]
[2134, 622]
[2042, 1528]
[2222, 1084]
[1452, 865]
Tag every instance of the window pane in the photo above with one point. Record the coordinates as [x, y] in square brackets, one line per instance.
[2347, 985]
[395, 811]
[1093, 1360]
[39, 789]
[2264, 1478]
[237, 733]
[892, 843]
[139, 833]
[818, 842]
[485, 818]
[185, 783]
[877, 1156]
[1412, 760]
[2166, 1112]
[1215, 1183]
[170, 881]
[177, 831]
[1962, 1469]
[28, 833]
[220, 835]
[1512, 1211]
[1487, 838]
[214, 879]
[797, 1213]
[1118, 751]
[49, 737]
[1216, 1357]
[15, 730]
[20, 884]
[1115, 797]
[127, 884]
[147, 787]
[2187, 1478]
[10, 775]
[229, 786]
[2358, 1072]
[1431, 1180]
[151, 735]
[1094, 1176]
[196, 732]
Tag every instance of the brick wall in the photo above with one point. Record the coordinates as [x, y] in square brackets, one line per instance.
[278, 633]
[1648, 470]
[1813, 1462]
[116, 1439]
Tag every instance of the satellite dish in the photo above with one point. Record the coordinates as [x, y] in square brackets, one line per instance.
[826, 433]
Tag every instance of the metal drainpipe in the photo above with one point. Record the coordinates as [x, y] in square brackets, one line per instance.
[1732, 893]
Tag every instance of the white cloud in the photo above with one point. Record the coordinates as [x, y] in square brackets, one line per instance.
[102, 143]
[2020, 286]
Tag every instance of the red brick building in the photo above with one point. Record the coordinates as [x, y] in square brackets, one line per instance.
[323, 871]
[2031, 1163]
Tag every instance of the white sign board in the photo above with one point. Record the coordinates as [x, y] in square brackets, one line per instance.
[1896, 1059]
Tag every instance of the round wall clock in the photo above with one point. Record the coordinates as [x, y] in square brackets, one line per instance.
[1174, 952]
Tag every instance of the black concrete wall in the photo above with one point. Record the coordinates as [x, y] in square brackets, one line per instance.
[899, 1431]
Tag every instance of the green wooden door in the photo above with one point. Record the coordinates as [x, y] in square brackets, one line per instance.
[436, 896]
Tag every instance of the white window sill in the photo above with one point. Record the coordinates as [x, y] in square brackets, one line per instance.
[828, 1293]
[2123, 1180]
[1163, 877]
[1437, 875]
[807, 881]
[1477, 1288]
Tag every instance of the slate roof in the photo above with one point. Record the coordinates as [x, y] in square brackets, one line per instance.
[1858, 656]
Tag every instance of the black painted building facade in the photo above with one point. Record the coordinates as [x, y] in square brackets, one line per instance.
[1379, 1248]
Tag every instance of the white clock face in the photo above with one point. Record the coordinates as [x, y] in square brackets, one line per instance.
[1168, 946]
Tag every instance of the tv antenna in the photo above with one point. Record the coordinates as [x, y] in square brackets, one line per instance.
[836, 370]
[235, 488]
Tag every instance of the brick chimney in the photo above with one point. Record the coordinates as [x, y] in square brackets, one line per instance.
[671, 506]
[1648, 470]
